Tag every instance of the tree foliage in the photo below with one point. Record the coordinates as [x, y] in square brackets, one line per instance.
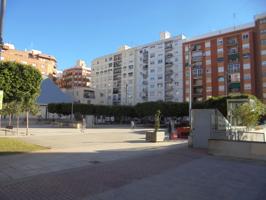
[21, 86]
[248, 114]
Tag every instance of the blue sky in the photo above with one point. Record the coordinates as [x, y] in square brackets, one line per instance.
[86, 29]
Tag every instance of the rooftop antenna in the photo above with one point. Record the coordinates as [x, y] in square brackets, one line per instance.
[3, 9]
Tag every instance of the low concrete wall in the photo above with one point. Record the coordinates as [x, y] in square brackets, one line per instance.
[240, 149]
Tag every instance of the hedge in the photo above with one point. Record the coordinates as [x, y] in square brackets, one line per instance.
[168, 109]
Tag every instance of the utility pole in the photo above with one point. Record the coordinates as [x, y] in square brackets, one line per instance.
[3, 9]
[2, 15]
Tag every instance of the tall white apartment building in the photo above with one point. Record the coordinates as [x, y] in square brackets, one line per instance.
[113, 76]
[151, 72]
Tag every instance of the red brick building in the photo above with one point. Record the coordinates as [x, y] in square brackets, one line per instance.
[229, 61]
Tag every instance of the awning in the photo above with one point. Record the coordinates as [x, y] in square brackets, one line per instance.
[234, 85]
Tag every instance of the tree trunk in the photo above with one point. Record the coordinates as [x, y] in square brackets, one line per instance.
[17, 123]
[0, 121]
[27, 122]
[10, 120]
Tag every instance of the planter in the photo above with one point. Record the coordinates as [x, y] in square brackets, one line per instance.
[152, 136]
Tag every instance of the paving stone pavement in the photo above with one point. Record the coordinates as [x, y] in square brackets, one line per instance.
[71, 149]
[180, 173]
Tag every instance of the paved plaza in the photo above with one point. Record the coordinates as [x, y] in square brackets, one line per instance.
[118, 164]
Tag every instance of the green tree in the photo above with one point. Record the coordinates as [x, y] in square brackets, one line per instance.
[21, 86]
[248, 114]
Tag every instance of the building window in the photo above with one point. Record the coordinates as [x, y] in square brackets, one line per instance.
[152, 62]
[208, 53]
[220, 69]
[152, 55]
[263, 63]
[208, 89]
[159, 85]
[221, 59]
[263, 21]
[246, 55]
[208, 70]
[130, 74]
[247, 86]
[263, 52]
[219, 41]
[220, 79]
[208, 62]
[151, 86]
[220, 50]
[160, 61]
[263, 42]
[246, 66]
[245, 36]
[263, 32]
[152, 70]
[245, 46]
[208, 80]
[207, 44]
[221, 88]
[247, 77]
[130, 67]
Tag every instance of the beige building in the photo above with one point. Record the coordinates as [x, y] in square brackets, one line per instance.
[46, 64]
[76, 82]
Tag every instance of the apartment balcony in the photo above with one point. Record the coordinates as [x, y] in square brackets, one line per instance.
[197, 53]
[196, 47]
[168, 72]
[197, 59]
[168, 80]
[145, 82]
[197, 83]
[168, 64]
[145, 60]
[197, 94]
[233, 70]
[169, 89]
[169, 55]
[233, 57]
[232, 42]
[169, 98]
[144, 76]
[234, 87]
[168, 48]
[145, 67]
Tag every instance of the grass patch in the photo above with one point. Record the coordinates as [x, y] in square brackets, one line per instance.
[13, 146]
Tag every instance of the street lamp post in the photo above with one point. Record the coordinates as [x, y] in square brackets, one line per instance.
[73, 94]
[190, 84]
[126, 93]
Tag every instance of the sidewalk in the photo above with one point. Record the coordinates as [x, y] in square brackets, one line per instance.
[180, 173]
[71, 149]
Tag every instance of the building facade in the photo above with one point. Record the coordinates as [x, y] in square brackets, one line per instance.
[260, 31]
[113, 76]
[46, 64]
[151, 72]
[76, 82]
[225, 62]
